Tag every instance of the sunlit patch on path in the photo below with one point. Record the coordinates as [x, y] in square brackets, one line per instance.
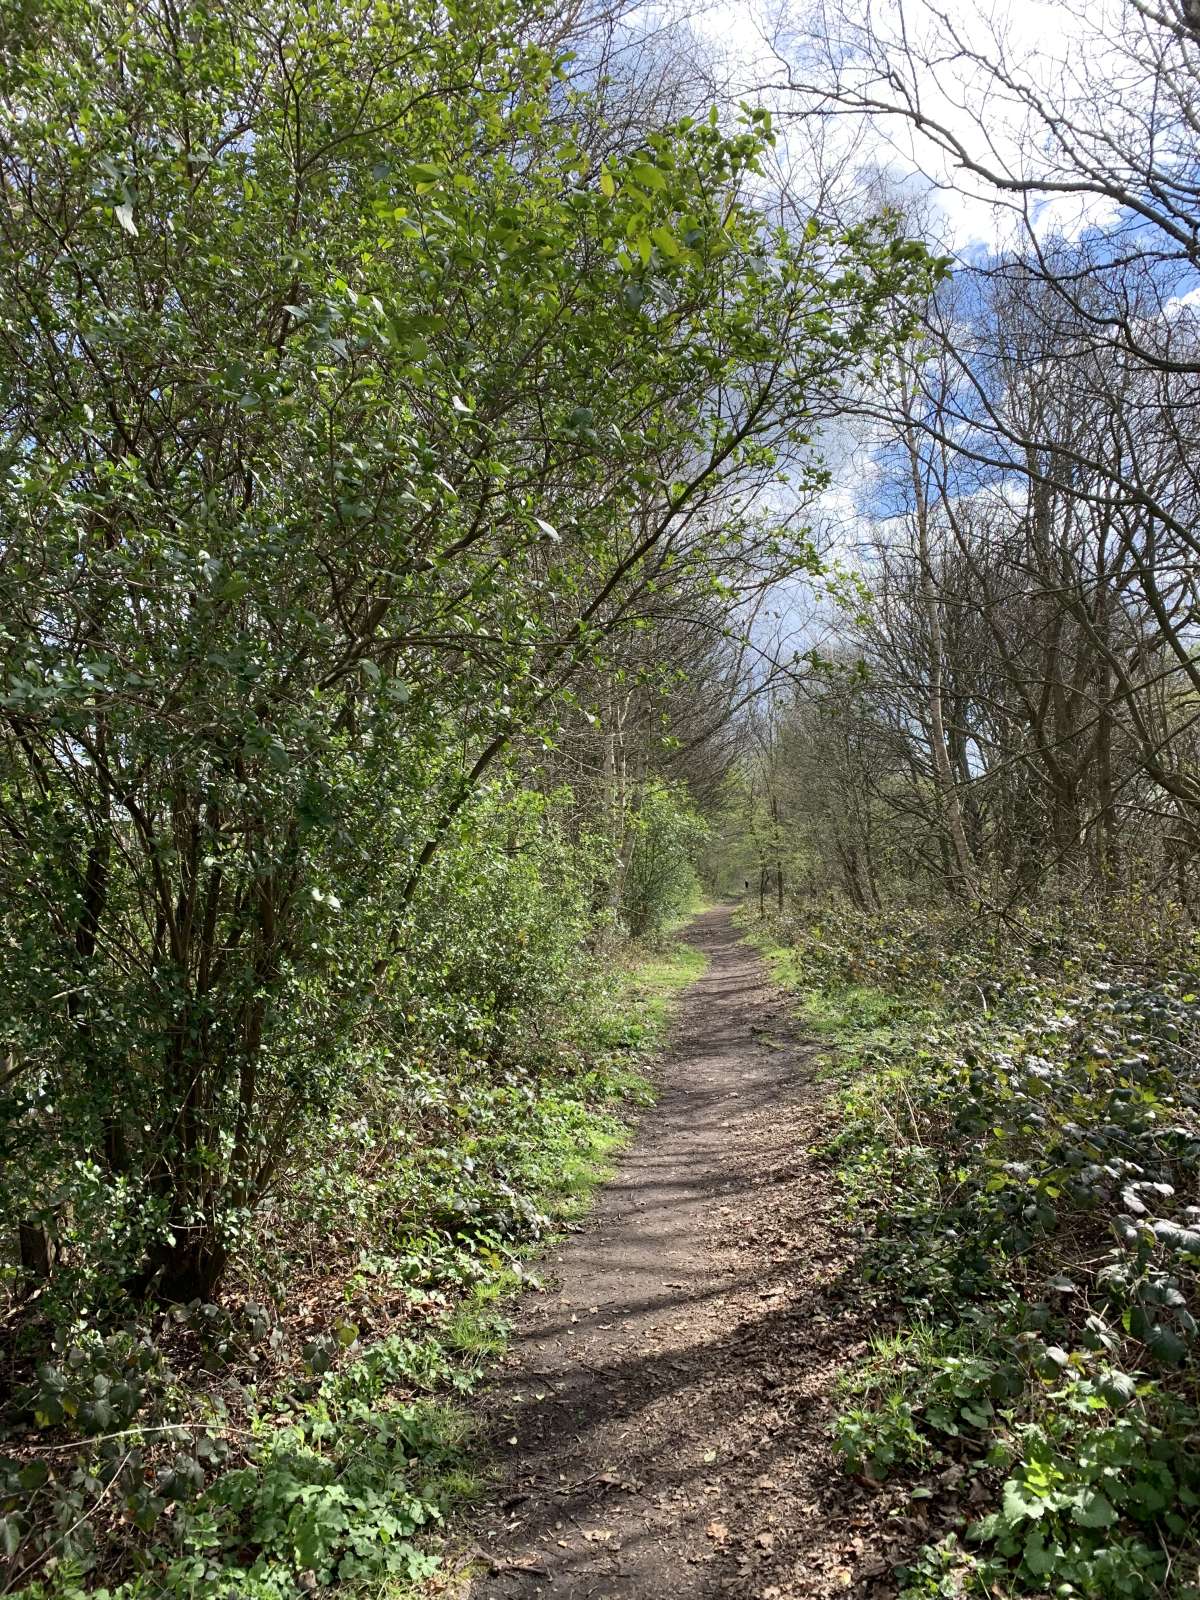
[661, 1421]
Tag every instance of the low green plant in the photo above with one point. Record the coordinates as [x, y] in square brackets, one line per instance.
[921, 1389]
[1019, 1145]
[341, 1471]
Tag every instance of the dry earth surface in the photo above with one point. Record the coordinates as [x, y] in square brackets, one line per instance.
[661, 1422]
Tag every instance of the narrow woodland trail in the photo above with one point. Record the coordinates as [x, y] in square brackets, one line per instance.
[662, 1417]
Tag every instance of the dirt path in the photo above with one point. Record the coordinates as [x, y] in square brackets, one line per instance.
[662, 1417]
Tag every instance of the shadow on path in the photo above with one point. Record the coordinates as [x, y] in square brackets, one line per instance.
[662, 1419]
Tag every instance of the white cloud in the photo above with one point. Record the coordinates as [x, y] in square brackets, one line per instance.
[1050, 51]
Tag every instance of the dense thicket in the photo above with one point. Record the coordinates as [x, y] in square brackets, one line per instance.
[386, 423]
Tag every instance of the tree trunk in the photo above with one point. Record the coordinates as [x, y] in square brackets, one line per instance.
[37, 1254]
[962, 882]
[189, 1269]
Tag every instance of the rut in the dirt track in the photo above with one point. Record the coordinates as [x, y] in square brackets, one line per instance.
[662, 1418]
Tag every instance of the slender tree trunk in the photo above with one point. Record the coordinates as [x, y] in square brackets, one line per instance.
[849, 859]
[36, 1244]
[1106, 820]
[778, 860]
[962, 882]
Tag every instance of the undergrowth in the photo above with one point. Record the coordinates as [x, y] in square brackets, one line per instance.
[1019, 1142]
[262, 1477]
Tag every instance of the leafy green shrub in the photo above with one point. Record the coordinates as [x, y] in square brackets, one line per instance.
[666, 836]
[1073, 1476]
[422, 1206]
[922, 1389]
[491, 948]
[1021, 1144]
[339, 1493]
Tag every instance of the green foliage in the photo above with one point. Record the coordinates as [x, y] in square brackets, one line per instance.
[919, 1390]
[666, 836]
[340, 1492]
[349, 414]
[351, 411]
[345, 1470]
[1020, 1143]
[458, 1038]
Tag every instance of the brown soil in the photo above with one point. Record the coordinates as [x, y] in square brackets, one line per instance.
[662, 1418]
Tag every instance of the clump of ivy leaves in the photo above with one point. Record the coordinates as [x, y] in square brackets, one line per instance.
[1020, 1142]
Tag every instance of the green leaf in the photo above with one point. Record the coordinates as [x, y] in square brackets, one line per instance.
[1117, 1387]
[1166, 1345]
[1035, 1554]
[648, 177]
[1093, 1510]
[1019, 1505]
